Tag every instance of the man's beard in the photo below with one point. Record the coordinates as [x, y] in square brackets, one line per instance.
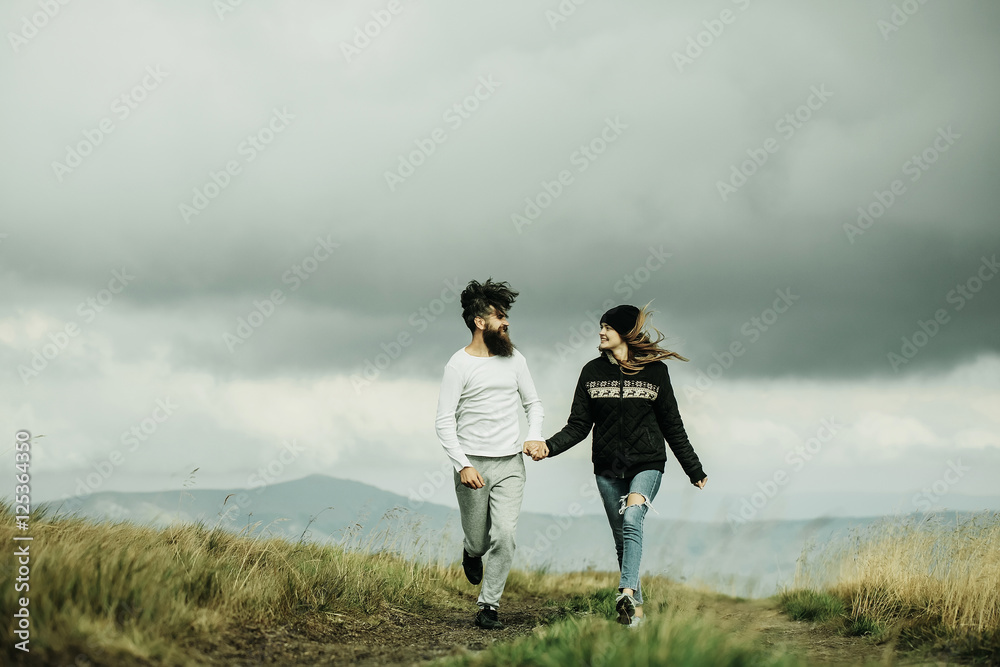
[497, 343]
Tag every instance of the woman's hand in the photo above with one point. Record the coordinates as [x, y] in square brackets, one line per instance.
[536, 449]
[701, 483]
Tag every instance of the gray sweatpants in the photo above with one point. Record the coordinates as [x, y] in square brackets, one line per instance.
[489, 519]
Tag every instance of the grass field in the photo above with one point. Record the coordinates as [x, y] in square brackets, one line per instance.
[126, 594]
[927, 581]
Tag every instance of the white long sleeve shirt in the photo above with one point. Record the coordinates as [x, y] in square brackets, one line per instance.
[478, 404]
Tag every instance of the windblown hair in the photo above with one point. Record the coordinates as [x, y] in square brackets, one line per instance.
[642, 349]
[478, 297]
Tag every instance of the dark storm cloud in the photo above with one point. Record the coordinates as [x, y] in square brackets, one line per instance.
[886, 97]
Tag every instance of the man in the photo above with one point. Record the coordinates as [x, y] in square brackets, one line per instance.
[478, 427]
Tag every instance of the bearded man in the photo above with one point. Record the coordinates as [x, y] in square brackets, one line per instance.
[477, 425]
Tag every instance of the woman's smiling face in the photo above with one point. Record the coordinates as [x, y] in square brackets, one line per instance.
[609, 338]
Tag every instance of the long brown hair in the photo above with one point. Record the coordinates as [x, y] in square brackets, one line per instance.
[642, 349]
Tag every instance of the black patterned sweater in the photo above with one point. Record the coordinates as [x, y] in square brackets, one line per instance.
[631, 415]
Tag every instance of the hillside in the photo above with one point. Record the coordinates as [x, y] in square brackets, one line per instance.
[752, 560]
[110, 594]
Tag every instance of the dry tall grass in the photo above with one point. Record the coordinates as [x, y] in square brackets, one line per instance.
[934, 575]
[120, 592]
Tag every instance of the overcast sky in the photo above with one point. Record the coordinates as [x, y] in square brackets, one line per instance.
[214, 219]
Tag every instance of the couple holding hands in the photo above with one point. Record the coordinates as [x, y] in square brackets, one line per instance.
[624, 396]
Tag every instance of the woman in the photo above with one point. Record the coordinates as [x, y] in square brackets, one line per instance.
[626, 397]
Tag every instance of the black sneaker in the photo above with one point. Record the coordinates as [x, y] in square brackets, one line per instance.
[487, 619]
[473, 567]
[625, 606]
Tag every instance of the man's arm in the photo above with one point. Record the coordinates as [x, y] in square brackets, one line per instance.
[446, 424]
[529, 401]
[533, 445]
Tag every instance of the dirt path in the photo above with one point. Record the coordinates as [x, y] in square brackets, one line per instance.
[403, 638]
[818, 645]
[397, 638]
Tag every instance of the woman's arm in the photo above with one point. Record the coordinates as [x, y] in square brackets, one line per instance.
[579, 424]
[668, 416]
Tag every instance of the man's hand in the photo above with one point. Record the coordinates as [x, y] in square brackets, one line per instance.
[536, 449]
[701, 483]
[471, 478]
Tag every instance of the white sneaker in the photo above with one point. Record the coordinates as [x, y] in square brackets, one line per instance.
[636, 622]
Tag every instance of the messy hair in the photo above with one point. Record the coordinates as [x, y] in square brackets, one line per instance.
[478, 297]
[642, 349]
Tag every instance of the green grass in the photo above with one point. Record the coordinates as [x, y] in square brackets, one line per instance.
[806, 605]
[830, 610]
[601, 603]
[671, 638]
[862, 626]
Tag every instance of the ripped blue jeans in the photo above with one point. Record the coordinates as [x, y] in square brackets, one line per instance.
[626, 522]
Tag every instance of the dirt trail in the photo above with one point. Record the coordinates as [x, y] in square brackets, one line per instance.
[403, 638]
[397, 637]
[818, 645]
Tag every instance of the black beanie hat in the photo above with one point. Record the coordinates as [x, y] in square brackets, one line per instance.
[621, 318]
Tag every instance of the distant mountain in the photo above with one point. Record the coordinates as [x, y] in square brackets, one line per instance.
[317, 507]
[750, 559]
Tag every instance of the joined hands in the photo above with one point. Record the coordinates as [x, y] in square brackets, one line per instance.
[536, 449]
